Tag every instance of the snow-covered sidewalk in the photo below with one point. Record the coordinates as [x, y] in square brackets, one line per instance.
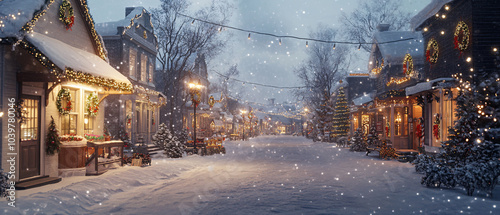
[273, 174]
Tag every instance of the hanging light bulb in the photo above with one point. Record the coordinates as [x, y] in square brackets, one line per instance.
[359, 47]
[307, 44]
[220, 29]
[279, 41]
[334, 46]
[192, 22]
[248, 35]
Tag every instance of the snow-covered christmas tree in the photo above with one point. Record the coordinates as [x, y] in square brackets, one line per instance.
[182, 136]
[341, 122]
[323, 118]
[168, 142]
[372, 138]
[357, 141]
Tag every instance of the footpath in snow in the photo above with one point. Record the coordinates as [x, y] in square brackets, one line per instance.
[266, 175]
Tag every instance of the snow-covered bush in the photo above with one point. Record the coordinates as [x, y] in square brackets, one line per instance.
[439, 175]
[357, 141]
[4, 184]
[165, 140]
[422, 162]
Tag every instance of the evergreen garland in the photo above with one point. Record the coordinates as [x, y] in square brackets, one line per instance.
[53, 143]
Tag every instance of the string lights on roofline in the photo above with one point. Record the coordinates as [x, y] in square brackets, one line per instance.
[290, 36]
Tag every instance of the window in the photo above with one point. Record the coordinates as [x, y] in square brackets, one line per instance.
[88, 121]
[365, 121]
[132, 62]
[29, 128]
[144, 66]
[398, 122]
[449, 107]
[151, 71]
[69, 121]
[128, 116]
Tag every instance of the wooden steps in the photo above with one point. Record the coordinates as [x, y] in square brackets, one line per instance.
[37, 182]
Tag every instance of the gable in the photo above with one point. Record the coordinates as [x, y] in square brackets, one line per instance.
[78, 36]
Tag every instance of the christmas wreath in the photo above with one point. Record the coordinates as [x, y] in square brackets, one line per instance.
[211, 101]
[196, 100]
[432, 51]
[408, 65]
[462, 34]
[92, 104]
[66, 14]
[64, 95]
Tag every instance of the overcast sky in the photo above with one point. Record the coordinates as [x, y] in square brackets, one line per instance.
[261, 59]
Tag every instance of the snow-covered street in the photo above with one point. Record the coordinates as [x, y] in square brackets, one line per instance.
[266, 175]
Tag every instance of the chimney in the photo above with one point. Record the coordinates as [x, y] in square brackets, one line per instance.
[128, 10]
[383, 27]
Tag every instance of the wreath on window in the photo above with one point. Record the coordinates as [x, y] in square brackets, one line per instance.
[408, 65]
[63, 101]
[432, 52]
[462, 36]
[66, 14]
[92, 104]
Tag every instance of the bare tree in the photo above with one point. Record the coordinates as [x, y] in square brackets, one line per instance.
[320, 73]
[360, 25]
[323, 68]
[179, 40]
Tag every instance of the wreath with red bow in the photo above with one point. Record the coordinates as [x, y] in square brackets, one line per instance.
[462, 36]
[408, 65]
[66, 14]
[92, 105]
[64, 96]
[432, 52]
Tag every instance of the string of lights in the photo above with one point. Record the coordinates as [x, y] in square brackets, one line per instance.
[258, 84]
[288, 36]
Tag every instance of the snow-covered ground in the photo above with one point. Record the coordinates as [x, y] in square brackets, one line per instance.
[266, 175]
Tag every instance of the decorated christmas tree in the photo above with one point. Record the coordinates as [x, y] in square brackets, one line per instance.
[372, 138]
[357, 141]
[123, 136]
[53, 143]
[165, 140]
[341, 122]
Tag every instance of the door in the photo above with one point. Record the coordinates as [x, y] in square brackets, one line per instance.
[29, 147]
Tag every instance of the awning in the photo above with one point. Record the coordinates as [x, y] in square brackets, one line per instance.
[79, 65]
[429, 85]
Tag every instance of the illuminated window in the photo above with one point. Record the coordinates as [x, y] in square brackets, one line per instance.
[151, 71]
[144, 66]
[132, 62]
[69, 121]
[398, 122]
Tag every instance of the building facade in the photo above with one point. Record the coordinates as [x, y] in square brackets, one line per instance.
[132, 47]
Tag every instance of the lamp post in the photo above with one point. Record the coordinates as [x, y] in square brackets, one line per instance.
[194, 91]
[243, 112]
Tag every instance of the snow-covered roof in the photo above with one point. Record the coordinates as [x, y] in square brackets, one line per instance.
[424, 86]
[218, 122]
[363, 99]
[430, 10]
[395, 52]
[66, 56]
[14, 14]
[110, 28]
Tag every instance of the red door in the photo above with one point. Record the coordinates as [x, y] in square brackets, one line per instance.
[29, 152]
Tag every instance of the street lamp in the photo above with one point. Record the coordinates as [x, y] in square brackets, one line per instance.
[194, 91]
[243, 112]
